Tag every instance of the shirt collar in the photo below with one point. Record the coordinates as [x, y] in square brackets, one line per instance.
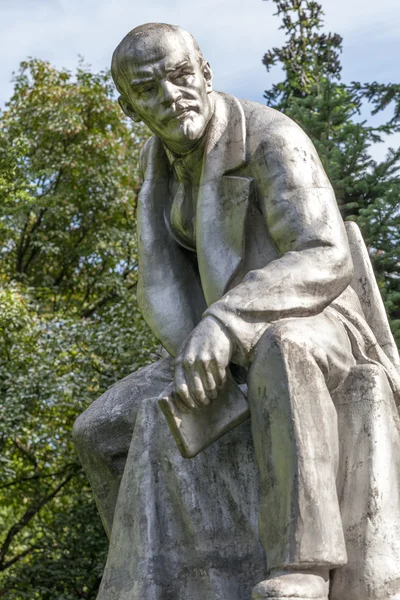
[188, 165]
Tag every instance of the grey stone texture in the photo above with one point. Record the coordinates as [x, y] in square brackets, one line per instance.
[245, 260]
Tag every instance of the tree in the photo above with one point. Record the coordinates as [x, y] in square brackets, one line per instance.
[329, 111]
[69, 322]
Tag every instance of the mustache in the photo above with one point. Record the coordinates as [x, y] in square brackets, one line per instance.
[180, 109]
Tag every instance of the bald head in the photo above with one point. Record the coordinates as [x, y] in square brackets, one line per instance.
[148, 42]
[165, 82]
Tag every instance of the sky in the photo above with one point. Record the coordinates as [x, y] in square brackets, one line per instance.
[233, 35]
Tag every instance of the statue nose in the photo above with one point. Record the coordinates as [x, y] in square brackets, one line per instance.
[171, 93]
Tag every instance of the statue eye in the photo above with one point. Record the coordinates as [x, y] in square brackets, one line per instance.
[181, 78]
[147, 89]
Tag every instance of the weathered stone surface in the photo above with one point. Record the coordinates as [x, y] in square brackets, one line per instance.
[245, 263]
[183, 529]
[368, 486]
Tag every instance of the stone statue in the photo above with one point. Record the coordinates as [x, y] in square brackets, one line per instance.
[247, 271]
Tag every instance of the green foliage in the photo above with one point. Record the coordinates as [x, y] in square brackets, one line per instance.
[69, 322]
[308, 57]
[69, 165]
[330, 111]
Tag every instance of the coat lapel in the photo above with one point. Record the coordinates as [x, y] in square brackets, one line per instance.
[223, 199]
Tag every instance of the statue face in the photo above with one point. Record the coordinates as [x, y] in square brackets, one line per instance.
[168, 88]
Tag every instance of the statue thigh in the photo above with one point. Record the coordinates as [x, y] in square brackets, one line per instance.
[298, 364]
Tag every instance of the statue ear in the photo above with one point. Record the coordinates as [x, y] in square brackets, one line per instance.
[208, 75]
[128, 110]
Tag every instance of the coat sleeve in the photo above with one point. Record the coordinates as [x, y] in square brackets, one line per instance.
[301, 214]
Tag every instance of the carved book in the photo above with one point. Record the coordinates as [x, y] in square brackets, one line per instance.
[195, 429]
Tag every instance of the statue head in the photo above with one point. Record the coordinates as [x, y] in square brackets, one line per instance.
[165, 82]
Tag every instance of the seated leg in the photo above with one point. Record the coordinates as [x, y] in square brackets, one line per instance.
[297, 365]
[103, 433]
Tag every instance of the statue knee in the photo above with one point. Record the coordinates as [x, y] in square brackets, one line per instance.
[95, 429]
[284, 345]
[99, 447]
[84, 431]
[103, 433]
[280, 336]
[104, 430]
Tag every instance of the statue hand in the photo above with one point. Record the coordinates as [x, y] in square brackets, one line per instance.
[200, 367]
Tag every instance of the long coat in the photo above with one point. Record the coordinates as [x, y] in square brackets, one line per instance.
[270, 240]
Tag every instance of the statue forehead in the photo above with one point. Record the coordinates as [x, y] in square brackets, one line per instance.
[139, 51]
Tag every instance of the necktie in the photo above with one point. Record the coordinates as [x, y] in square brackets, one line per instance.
[183, 214]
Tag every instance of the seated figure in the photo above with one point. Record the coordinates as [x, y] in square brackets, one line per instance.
[245, 264]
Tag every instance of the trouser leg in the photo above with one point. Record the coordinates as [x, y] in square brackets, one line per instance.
[297, 363]
[103, 433]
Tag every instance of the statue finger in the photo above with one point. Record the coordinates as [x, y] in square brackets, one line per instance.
[209, 384]
[196, 387]
[218, 373]
[182, 388]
